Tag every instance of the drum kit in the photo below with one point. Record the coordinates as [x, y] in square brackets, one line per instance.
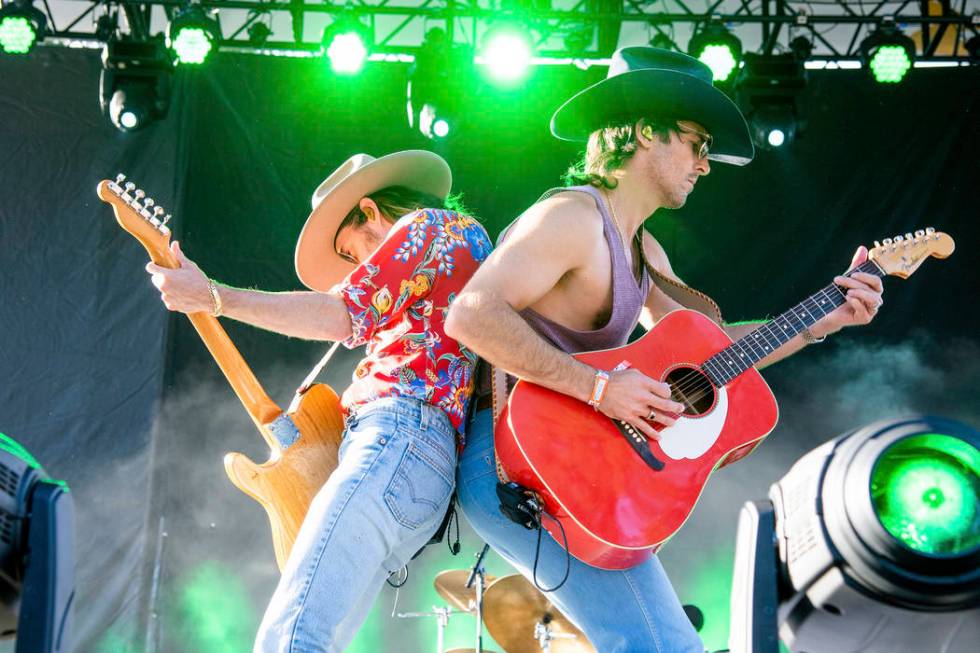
[517, 615]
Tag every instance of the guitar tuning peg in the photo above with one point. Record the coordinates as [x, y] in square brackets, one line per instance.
[908, 236]
[120, 178]
[919, 233]
[139, 194]
[930, 230]
[166, 220]
[148, 202]
[877, 244]
[886, 241]
[158, 211]
[130, 186]
[897, 239]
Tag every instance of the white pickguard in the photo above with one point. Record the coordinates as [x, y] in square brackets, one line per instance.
[689, 438]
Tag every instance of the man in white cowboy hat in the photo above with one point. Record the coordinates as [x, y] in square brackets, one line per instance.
[384, 258]
[575, 272]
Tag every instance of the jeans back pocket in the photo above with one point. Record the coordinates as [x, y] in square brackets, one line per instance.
[418, 491]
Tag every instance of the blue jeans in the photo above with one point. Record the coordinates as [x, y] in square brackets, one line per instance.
[386, 498]
[629, 611]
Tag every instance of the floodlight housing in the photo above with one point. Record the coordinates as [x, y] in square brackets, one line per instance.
[768, 90]
[888, 54]
[718, 48]
[21, 27]
[192, 35]
[347, 43]
[877, 541]
[135, 82]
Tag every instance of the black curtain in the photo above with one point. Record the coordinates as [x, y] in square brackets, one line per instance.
[122, 400]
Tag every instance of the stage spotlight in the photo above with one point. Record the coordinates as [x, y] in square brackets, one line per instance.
[436, 83]
[259, 31]
[888, 54]
[870, 542]
[37, 571]
[192, 35]
[135, 82]
[346, 42]
[507, 51]
[21, 26]
[768, 90]
[718, 48]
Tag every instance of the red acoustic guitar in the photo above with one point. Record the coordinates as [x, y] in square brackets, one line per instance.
[619, 496]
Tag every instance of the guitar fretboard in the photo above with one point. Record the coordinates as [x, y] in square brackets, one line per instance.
[745, 352]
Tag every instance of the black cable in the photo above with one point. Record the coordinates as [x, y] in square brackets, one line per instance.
[537, 553]
[401, 584]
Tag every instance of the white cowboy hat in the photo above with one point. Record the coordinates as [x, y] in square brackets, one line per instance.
[318, 265]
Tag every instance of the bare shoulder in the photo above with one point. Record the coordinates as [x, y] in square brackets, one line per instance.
[570, 218]
[656, 256]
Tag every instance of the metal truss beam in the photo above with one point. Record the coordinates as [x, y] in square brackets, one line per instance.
[836, 32]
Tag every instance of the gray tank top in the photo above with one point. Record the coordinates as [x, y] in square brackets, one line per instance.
[628, 296]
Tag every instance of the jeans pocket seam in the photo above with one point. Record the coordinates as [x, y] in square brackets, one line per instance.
[392, 501]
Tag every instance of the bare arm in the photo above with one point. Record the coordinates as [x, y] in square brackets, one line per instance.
[551, 240]
[547, 243]
[301, 314]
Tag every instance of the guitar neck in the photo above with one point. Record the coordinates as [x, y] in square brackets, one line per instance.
[748, 350]
[260, 407]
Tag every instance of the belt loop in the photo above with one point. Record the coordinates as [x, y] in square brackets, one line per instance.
[423, 416]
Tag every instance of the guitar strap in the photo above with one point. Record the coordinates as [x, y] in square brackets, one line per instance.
[312, 376]
[682, 294]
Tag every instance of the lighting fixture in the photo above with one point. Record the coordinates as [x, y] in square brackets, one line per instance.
[192, 35]
[718, 48]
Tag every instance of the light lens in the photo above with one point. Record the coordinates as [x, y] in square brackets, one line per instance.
[440, 128]
[507, 54]
[192, 45]
[347, 53]
[889, 63]
[17, 35]
[720, 59]
[926, 492]
[776, 137]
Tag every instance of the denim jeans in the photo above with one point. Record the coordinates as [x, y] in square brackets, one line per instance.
[386, 498]
[625, 611]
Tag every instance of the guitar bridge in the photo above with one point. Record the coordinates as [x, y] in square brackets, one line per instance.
[639, 443]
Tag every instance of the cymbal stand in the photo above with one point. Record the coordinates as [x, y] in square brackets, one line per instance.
[542, 633]
[442, 620]
[478, 574]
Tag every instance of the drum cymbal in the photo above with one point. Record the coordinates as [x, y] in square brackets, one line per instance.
[451, 585]
[512, 607]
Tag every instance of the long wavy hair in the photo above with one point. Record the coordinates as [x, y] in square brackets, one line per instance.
[396, 201]
[608, 150]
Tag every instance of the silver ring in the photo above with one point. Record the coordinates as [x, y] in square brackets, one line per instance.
[652, 416]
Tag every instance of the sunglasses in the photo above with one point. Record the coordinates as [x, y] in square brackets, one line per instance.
[700, 149]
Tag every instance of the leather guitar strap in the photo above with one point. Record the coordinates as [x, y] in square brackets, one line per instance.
[311, 377]
[498, 397]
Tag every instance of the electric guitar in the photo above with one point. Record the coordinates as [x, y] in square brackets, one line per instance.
[303, 443]
[616, 496]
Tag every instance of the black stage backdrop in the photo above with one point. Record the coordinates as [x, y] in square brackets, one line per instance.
[124, 402]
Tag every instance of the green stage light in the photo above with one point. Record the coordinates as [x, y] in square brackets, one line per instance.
[925, 492]
[890, 63]
[192, 35]
[888, 54]
[346, 44]
[507, 51]
[440, 128]
[718, 48]
[21, 26]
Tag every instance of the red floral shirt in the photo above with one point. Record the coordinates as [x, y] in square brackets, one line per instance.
[398, 300]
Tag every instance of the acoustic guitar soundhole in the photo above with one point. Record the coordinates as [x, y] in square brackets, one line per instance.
[691, 387]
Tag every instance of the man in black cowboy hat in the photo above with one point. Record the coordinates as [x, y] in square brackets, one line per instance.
[576, 272]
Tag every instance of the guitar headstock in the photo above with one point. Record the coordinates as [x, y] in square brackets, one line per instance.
[140, 216]
[902, 255]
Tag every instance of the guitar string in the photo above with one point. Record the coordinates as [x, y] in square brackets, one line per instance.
[695, 380]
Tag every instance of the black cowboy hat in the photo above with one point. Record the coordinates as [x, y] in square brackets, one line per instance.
[644, 81]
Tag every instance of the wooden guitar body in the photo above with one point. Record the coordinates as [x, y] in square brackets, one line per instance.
[615, 509]
[287, 482]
